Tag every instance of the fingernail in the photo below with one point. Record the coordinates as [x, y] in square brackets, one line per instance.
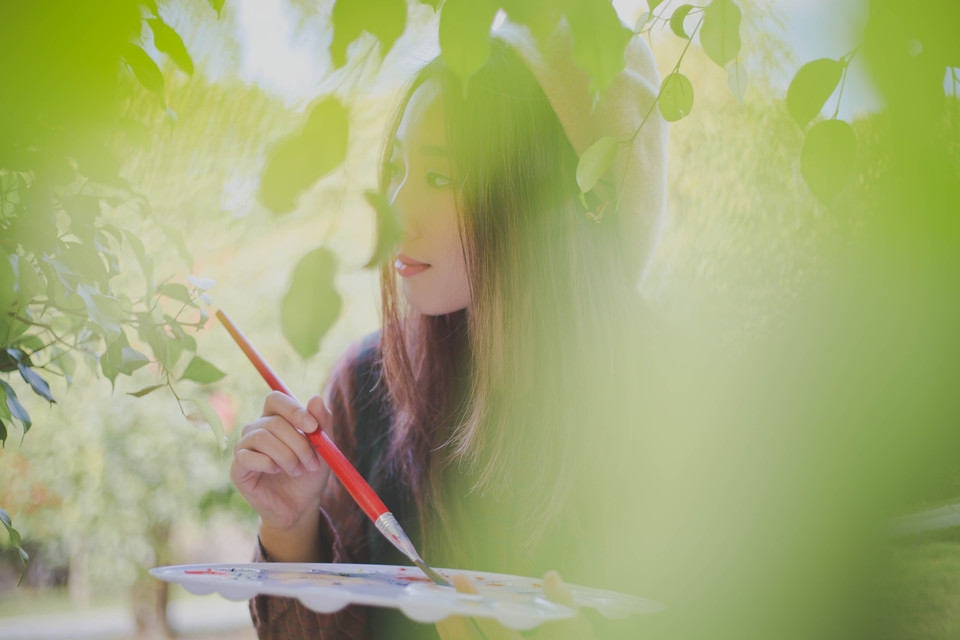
[312, 464]
[310, 424]
[296, 471]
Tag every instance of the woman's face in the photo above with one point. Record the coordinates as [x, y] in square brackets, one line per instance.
[430, 260]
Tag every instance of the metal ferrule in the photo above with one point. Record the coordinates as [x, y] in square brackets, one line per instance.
[387, 525]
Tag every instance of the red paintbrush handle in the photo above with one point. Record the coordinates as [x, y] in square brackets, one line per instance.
[351, 479]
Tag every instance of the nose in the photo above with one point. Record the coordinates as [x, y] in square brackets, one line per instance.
[402, 202]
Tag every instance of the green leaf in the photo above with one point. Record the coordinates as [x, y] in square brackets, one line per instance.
[465, 35]
[33, 343]
[720, 33]
[737, 80]
[66, 364]
[28, 280]
[142, 392]
[676, 20]
[389, 228]
[212, 419]
[829, 151]
[811, 88]
[18, 355]
[653, 4]
[86, 262]
[168, 41]
[216, 5]
[38, 384]
[3, 433]
[24, 558]
[435, 4]
[199, 370]
[176, 291]
[311, 304]
[676, 97]
[595, 162]
[189, 342]
[131, 360]
[641, 22]
[297, 162]
[4, 410]
[538, 16]
[83, 211]
[16, 541]
[599, 42]
[146, 264]
[169, 350]
[16, 409]
[105, 311]
[383, 19]
[143, 66]
[112, 358]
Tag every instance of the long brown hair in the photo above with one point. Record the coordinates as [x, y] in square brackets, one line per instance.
[497, 399]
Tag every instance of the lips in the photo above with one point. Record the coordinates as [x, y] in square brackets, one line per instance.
[407, 266]
[410, 262]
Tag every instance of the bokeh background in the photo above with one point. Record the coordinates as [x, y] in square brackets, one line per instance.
[809, 396]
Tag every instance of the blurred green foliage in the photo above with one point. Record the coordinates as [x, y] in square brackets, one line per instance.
[807, 397]
[61, 128]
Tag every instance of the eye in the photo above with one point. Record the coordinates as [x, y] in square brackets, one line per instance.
[392, 170]
[438, 181]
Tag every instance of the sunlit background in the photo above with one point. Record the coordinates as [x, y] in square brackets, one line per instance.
[106, 486]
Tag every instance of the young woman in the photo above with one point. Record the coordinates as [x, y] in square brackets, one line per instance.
[487, 410]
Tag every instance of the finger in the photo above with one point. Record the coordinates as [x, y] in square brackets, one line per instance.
[253, 426]
[556, 591]
[463, 584]
[576, 628]
[317, 407]
[247, 461]
[295, 441]
[280, 404]
[266, 442]
[254, 440]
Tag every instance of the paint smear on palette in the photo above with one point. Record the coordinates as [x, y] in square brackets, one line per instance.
[392, 576]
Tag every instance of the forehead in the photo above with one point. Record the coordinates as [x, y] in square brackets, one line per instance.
[422, 120]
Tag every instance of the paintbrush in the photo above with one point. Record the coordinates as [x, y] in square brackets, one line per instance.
[351, 479]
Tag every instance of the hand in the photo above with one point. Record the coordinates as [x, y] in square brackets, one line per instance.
[461, 628]
[275, 468]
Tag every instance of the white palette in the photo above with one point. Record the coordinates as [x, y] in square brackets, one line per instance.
[513, 601]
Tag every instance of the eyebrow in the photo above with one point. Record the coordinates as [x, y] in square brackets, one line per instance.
[430, 150]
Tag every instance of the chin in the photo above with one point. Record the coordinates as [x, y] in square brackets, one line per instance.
[430, 306]
[433, 309]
